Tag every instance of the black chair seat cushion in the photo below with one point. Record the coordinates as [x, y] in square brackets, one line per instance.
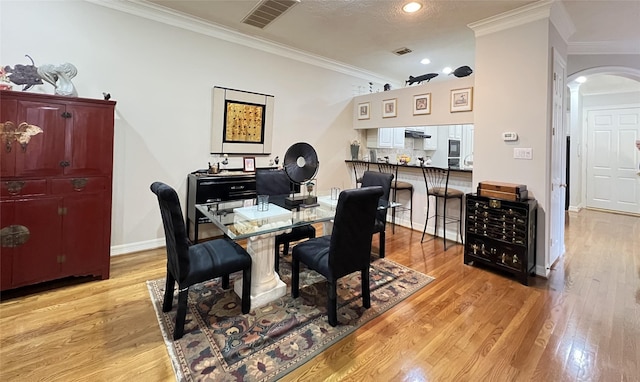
[315, 254]
[297, 233]
[222, 255]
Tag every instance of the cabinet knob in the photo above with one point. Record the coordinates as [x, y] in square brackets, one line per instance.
[65, 163]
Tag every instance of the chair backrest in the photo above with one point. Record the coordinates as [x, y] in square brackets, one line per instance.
[350, 248]
[359, 168]
[436, 180]
[273, 182]
[373, 178]
[174, 230]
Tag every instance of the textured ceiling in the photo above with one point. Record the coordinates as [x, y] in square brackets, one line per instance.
[364, 33]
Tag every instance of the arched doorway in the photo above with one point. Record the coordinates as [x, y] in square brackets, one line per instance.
[603, 126]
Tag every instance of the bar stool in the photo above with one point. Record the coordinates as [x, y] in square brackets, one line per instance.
[437, 183]
[397, 186]
[359, 168]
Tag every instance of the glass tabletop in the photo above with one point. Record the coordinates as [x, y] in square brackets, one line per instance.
[246, 221]
[240, 222]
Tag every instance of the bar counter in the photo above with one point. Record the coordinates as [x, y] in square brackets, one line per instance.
[459, 178]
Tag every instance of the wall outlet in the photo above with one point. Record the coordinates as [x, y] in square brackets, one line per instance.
[523, 153]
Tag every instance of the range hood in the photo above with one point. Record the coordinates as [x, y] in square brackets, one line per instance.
[415, 134]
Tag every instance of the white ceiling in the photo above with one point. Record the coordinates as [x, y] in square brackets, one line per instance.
[364, 33]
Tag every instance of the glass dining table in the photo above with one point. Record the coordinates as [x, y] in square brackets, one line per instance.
[260, 229]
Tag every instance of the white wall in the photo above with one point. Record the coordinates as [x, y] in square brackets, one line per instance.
[512, 94]
[161, 77]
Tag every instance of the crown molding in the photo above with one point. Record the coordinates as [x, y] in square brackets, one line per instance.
[520, 16]
[164, 15]
[604, 47]
[562, 21]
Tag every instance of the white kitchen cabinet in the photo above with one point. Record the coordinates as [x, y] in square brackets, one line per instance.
[431, 143]
[385, 138]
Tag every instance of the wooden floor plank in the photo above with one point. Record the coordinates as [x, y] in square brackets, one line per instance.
[470, 324]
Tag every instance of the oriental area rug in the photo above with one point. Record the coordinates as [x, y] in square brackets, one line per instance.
[222, 344]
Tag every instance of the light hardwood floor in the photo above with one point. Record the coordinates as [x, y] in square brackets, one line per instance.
[470, 324]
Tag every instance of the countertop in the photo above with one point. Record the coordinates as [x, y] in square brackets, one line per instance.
[457, 169]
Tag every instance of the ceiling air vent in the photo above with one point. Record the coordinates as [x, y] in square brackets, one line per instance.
[268, 10]
[402, 51]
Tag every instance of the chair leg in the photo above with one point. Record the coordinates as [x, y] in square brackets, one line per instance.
[435, 221]
[366, 288]
[246, 290]
[295, 277]
[168, 293]
[460, 221]
[411, 210]
[225, 281]
[277, 259]
[426, 220]
[181, 313]
[444, 223]
[393, 213]
[332, 302]
[382, 243]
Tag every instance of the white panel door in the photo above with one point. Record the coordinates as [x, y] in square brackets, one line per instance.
[613, 181]
[558, 164]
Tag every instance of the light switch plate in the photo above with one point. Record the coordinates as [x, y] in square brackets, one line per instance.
[523, 153]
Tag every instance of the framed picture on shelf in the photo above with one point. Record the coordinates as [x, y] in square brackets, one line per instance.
[389, 108]
[461, 100]
[249, 164]
[363, 110]
[422, 104]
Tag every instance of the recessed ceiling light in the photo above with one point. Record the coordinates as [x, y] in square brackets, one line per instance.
[581, 79]
[412, 7]
[425, 61]
[447, 70]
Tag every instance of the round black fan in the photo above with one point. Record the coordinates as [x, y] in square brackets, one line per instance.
[301, 162]
[301, 165]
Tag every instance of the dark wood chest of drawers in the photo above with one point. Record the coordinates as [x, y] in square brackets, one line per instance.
[501, 234]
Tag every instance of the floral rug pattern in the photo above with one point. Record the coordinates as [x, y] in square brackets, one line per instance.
[222, 344]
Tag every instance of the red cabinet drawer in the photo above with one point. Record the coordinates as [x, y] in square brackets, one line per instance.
[21, 187]
[80, 184]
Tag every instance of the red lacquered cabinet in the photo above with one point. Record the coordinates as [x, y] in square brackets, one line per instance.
[56, 161]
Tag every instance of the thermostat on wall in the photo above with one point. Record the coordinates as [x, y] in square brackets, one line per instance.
[510, 136]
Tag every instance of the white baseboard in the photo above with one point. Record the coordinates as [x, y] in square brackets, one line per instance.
[137, 247]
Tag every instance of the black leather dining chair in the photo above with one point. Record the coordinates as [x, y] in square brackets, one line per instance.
[346, 250]
[189, 264]
[370, 179]
[436, 181]
[278, 186]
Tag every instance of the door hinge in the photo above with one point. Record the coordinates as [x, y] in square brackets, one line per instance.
[62, 210]
[61, 259]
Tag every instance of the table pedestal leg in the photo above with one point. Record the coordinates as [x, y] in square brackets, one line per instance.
[266, 285]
